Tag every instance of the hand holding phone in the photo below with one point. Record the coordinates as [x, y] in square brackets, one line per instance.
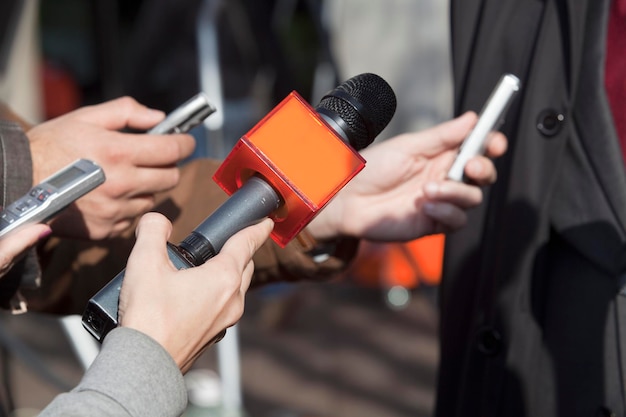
[45, 200]
[490, 118]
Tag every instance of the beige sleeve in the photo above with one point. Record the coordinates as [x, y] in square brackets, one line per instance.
[75, 270]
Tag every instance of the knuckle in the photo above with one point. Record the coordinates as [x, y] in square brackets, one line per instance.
[236, 312]
[126, 102]
[179, 148]
[174, 176]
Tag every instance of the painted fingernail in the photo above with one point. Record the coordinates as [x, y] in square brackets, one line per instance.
[45, 233]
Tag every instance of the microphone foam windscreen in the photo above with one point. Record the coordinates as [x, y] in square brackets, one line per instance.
[365, 103]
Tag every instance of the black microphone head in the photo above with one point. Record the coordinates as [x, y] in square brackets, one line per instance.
[362, 107]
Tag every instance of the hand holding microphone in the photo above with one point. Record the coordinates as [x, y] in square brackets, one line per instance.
[287, 167]
[184, 309]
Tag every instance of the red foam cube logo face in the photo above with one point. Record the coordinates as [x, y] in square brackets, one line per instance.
[305, 161]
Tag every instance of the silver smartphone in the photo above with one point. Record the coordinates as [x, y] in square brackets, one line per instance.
[186, 116]
[490, 118]
[45, 200]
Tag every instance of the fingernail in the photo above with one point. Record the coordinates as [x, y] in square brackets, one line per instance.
[476, 168]
[429, 208]
[431, 189]
[155, 113]
[45, 233]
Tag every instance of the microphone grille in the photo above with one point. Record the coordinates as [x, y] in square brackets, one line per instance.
[365, 103]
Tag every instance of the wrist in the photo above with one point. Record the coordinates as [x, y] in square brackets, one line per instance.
[322, 249]
[322, 228]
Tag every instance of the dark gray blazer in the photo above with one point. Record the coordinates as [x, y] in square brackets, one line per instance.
[533, 323]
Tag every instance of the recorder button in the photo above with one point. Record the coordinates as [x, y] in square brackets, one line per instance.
[25, 206]
[7, 218]
[43, 196]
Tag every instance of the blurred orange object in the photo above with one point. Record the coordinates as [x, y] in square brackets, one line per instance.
[406, 264]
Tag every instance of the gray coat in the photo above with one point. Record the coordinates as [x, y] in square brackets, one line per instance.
[132, 376]
[533, 323]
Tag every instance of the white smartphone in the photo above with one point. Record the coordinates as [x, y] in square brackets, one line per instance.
[45, 200]
[490, 118]
[186, 116]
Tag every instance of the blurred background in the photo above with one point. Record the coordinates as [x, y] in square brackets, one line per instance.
[365, 344]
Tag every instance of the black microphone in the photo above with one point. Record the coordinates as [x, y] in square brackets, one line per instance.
[354, 112]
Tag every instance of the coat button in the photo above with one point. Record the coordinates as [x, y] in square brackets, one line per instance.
[550, 122]
[489, 341]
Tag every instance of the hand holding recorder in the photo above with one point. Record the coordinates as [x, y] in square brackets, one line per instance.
[402, 193]
[137, 166]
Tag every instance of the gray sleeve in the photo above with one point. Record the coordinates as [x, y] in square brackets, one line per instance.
[131, 376]
[16, 178]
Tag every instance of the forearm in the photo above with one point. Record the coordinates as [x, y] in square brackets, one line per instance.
[131, 376]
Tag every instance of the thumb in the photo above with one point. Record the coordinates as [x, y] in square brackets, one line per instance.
[248, 240]
[14, 244]
[152, 233]
[449, 134]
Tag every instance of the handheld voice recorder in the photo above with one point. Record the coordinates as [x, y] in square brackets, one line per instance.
[490, 118]
[186, 116]
[45, 200]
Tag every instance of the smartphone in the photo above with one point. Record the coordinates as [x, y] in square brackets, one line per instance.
[490, 118]
[45, 200]
[186, 116]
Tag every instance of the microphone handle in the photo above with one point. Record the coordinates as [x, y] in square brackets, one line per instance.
[254, 201]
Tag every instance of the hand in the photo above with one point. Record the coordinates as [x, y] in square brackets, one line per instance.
[185, 309]
[136, 165]
[14, 244]
[402, 193]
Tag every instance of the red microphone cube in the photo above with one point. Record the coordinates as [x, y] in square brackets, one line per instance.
[297, 153]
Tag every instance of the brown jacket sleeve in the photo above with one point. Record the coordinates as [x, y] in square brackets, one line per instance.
[198, 196]
[75, 270]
